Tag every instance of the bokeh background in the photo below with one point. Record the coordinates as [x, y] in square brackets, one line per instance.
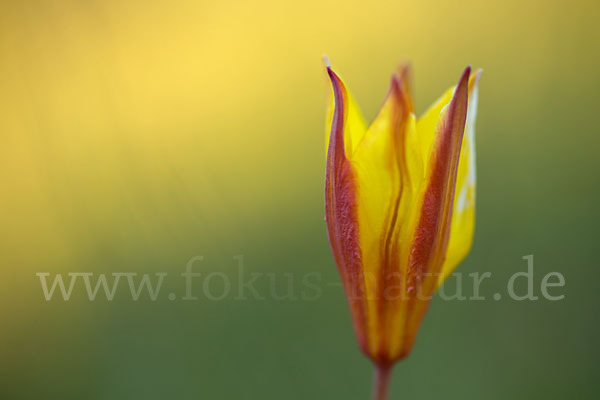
[135, 135]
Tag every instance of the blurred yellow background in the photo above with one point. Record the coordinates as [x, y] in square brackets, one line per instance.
[135, 135]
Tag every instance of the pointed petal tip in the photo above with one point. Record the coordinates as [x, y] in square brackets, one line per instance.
[326, 61]
[463, 85]
[335, 79]
[477, 75]
[395, 83]
[399, 88]
[474, 80]
[404, 69]
[401, 85]
[336, 84]
[465, 75]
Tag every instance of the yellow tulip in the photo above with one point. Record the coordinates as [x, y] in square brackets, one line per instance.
[400, 208]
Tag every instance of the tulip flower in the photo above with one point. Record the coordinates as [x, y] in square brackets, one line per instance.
[399, 205]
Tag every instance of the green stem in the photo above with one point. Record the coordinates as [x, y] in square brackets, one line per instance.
[381, 382]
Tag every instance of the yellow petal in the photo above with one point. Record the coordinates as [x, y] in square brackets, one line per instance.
[463, 214]
[378, 162]
[431, 236]
[341, 211]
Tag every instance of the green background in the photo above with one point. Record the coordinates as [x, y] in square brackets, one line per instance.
[137, 135]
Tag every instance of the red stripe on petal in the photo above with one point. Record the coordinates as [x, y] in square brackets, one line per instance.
[341, 214]
[389, 274]
[433, 228]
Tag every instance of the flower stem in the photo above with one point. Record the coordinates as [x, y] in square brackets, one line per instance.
[381, 382]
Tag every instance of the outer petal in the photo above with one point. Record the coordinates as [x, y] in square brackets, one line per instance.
[432, 230]
[341, 208]
[463, 214]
